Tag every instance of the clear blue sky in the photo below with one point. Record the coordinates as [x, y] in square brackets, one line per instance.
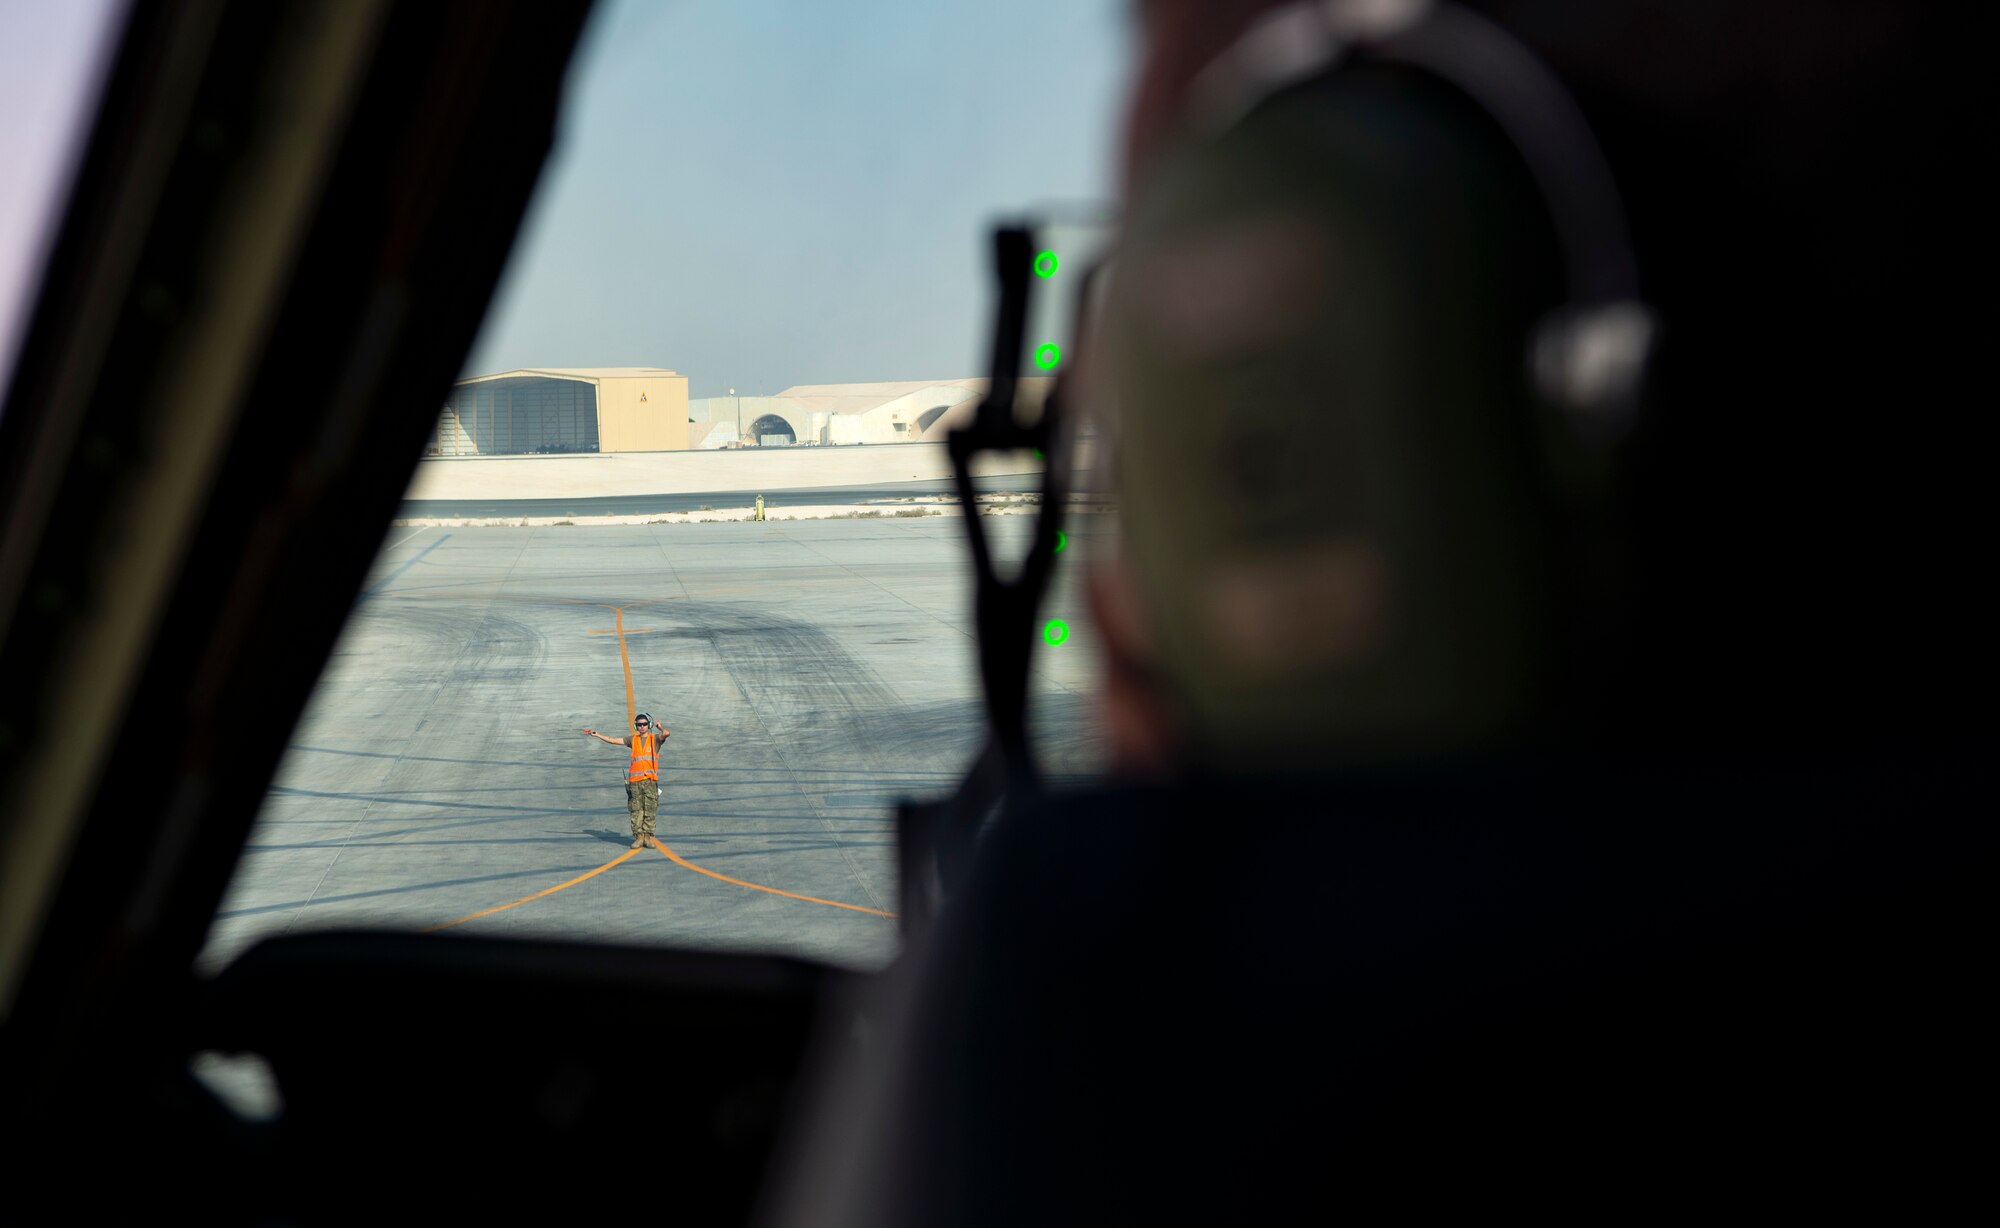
[51, 59]
[760, 193]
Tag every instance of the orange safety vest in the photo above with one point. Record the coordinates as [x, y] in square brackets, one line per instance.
[645, 758]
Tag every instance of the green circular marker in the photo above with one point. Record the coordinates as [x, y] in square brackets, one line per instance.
[1045, 264]
[1056, 631]
[1060, 540]
[1047, 355]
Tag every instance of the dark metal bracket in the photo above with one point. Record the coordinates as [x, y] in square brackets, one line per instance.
[935, 839]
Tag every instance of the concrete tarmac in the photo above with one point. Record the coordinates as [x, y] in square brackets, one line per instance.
[810, 673]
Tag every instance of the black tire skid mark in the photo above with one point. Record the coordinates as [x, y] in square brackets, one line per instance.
[824, 704]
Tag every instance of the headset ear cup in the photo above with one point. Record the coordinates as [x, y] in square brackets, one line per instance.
[1587, 369]
[1591, 362]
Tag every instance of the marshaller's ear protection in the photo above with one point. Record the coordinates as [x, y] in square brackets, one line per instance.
[1587, 358]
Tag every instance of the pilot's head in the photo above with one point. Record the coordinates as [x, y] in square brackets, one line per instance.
[1335, 532]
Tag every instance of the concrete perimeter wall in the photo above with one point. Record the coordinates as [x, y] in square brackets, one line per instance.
[673, 473]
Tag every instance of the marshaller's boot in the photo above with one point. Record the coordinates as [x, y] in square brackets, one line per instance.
[651, 842]
[638, 841]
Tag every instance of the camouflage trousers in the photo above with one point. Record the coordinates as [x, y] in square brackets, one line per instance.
[642, 798]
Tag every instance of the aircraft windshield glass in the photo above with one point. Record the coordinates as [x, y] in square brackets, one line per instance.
[678, 604]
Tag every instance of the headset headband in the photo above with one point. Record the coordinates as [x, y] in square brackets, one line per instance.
[1589, 356]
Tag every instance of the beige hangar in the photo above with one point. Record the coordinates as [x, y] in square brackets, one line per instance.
[564, 409]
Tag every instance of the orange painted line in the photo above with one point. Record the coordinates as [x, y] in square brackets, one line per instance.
[685, 864]
[487, 912]
[624, 659]
[631, 711]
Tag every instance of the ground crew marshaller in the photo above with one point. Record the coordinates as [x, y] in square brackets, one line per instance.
[642, 779]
